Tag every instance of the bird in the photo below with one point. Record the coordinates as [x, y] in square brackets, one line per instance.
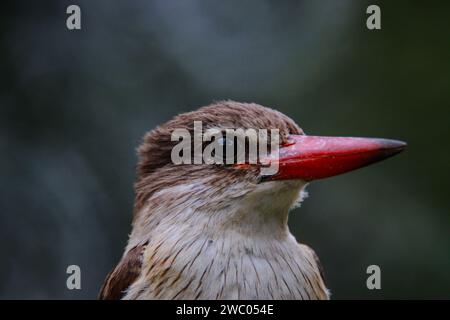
[220, 231]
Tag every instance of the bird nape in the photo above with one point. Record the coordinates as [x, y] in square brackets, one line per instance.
[218, 230]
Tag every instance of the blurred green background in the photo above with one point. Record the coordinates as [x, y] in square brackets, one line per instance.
[75, 104]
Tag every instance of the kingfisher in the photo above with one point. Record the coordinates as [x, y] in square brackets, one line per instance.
[220, 231]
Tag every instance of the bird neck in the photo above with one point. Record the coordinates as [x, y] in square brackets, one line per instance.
[259, 212]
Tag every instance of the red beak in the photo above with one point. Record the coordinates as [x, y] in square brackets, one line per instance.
[312, 157]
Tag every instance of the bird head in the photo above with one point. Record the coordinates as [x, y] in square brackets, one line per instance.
[241, 195]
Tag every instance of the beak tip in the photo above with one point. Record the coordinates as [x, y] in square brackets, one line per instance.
[392, 147]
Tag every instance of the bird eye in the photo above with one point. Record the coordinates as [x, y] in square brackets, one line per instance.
[225, 142]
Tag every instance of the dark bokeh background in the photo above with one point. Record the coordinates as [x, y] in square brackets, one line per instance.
[74, 105]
